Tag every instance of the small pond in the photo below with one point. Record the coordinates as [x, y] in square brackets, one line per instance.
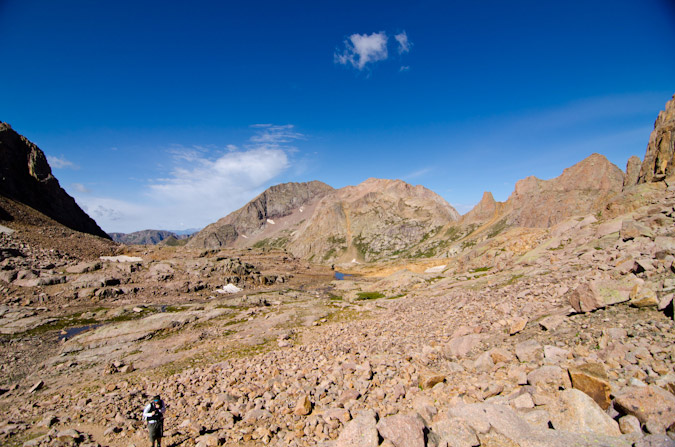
[341, 276]
[73, 331]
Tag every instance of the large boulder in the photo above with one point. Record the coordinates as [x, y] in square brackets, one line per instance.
[647, 403]
[359, 432]
[591, 378]
[403, 430]
[575, 411]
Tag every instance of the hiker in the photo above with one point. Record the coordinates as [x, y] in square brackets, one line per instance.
[154, 414]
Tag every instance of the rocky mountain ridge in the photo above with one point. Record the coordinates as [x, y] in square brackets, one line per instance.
[659, 161]
[258, 218]
[25, 176]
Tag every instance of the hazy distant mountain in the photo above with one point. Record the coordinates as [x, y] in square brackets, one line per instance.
[26, 177]
[373, 220]
[146, 237]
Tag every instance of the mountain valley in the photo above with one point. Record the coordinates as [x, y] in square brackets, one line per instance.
[370, 315]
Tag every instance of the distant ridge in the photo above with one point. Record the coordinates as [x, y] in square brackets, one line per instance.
[146, 237]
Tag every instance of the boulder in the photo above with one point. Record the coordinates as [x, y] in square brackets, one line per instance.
[454, 431]
[427, 379]
[549, 376]
[575, 411]
[517, 325]
[630, 424]
[647, 403]
[403, 430]
[303, 407]
[360, 431]
[655, 441]
[643, 295]
[631, 229]
[591, 378]
[555, 355]
[460, 346]
[529, 351]
[598, 293]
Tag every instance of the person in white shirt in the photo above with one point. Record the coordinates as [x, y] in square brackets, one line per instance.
[154, 414]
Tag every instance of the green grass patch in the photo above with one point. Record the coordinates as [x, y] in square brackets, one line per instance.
[172, 309]
[497, 228]
[513, 279]
[480, 269]
[369, 295]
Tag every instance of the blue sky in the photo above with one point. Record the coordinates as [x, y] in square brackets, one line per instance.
[172, 114]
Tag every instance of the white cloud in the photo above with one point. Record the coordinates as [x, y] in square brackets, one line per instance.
[361, 49]
[403, 43]
[60, 162]
[202, 186]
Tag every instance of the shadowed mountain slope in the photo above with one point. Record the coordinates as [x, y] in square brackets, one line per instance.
[25, 176]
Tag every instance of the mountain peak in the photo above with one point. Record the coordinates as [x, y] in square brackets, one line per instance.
[25, 176]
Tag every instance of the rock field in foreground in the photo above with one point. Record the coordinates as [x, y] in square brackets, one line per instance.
[568, 344]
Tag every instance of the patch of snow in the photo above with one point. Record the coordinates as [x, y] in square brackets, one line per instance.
[302, 209]
[354, 261]
[4, 229]
[121, 258]
[230, 288]
[437, 269]
[244, 236]
[270, 221]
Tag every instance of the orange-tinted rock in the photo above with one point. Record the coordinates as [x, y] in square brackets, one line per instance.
[591, 378]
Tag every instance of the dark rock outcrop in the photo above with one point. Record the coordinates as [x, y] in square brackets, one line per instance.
[25, 176]
[659, 162]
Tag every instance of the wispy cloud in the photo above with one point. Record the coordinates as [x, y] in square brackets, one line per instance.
[79, 187]
[60, 162]
[418, 173]
[202, 184]
[403, 43]
[272, 135]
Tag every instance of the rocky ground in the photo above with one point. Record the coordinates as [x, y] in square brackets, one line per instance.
[556, 337]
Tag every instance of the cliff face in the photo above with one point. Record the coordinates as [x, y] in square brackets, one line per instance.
[25, 176]
[581, 189]
[659, 161]
[257, 218]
